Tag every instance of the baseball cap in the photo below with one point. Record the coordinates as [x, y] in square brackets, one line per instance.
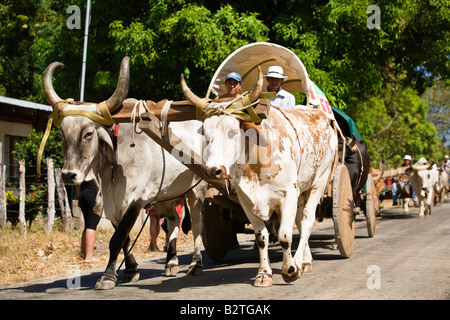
[234, 75]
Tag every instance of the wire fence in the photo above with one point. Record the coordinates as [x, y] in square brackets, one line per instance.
[37, 194]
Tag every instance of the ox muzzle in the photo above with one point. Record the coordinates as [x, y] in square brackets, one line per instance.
[72, 177]
[217, 173]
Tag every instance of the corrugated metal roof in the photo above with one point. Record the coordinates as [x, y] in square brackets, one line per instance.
[25, 104]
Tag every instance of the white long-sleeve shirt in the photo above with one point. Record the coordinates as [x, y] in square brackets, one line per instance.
[283, 100]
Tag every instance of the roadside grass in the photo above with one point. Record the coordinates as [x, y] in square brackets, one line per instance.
[40, 254]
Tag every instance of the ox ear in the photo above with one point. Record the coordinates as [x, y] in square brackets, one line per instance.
[105, 145]
[245, 125]
[261, 139]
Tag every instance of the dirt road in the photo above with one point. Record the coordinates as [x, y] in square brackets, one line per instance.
[409, 258]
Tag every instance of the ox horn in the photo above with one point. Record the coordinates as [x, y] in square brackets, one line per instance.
[192, 97]
[50, 93]
[419, 167]
[123, 83]
[254, 95]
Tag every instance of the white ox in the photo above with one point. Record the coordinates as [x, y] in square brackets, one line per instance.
[423, 179]
[129, 178]
[441, 186]
[284, 167]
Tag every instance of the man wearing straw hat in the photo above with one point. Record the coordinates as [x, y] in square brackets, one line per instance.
[275, 78]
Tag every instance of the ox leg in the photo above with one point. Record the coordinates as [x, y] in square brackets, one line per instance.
[306, 218]
[264, 276]
[172, 266]
[429, 203]
[118, 240]
[195, 205]
[289, 271]
[405, 205]
[302, 258]
[131, 273]
[421, 206]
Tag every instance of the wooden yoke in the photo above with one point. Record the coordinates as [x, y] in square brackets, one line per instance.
[393, 172]
[179, 110]
[150, 123]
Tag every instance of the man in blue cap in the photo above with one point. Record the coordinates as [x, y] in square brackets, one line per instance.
[233, 82]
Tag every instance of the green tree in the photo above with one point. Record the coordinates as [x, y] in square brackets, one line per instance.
[174, 38]
[369, 73]
[28, 150]
[397, 125]
[438, 98]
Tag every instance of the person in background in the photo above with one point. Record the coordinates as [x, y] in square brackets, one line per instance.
[447, 168]
[275, 77]
[155, 227]
[157, 223]
[404, 180]
[87, 193]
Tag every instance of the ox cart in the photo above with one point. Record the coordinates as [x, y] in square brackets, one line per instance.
[222, 212]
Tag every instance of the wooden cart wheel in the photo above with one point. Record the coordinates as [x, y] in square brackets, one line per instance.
[217, 230]
[372, 206]
[343, 216]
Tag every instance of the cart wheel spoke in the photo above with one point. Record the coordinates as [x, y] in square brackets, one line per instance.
[343, 216]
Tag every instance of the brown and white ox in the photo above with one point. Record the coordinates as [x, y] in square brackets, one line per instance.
[423, 180]
[282, 165]
[128, 178]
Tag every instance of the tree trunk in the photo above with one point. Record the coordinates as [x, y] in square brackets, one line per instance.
[22, 221]
[3, 217]
[62, 196]
[51, 196]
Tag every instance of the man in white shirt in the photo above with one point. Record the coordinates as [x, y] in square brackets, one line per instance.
[275, 78]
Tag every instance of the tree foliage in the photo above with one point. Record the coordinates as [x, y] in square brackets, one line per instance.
[377, 76]
[28, 150]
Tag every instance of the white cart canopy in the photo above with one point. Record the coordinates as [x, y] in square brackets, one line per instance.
[246, 60]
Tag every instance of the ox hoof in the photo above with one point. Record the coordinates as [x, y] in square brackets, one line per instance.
[195, 270]
[106, 282]
[171, 270]
[131, 276]
[293, 274]
[263, 280]
[306, 268]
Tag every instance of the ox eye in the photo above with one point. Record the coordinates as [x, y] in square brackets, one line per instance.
[88, 135]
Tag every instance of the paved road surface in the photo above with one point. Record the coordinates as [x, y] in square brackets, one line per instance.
[409, 258]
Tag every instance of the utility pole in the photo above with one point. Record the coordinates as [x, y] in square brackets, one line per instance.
[86, 32]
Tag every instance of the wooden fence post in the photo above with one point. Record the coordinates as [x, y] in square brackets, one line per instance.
[51, 196]
[22, 221]
[3, 217]
[66, 215]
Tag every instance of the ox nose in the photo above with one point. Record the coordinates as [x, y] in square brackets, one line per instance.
[218, 173]
[69, 177]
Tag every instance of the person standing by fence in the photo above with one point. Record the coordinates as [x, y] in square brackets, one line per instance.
[86, 200]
